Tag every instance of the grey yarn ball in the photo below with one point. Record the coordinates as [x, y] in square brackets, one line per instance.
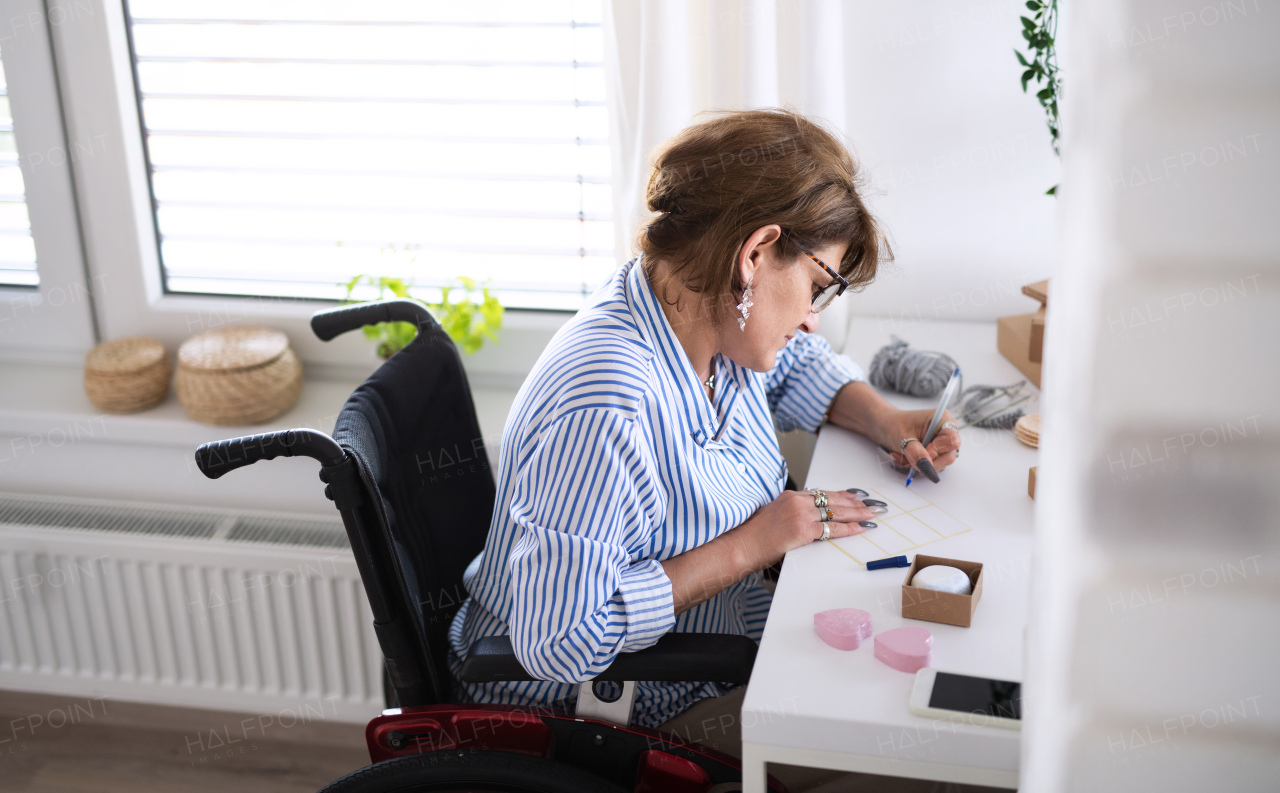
[897, 367]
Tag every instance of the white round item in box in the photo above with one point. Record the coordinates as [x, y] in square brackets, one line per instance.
[942, 578]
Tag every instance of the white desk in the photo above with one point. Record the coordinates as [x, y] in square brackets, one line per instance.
[810, 704]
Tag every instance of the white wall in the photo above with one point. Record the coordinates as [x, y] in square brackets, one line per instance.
[958, 156]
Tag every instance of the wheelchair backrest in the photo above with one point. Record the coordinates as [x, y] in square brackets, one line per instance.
[413, 432]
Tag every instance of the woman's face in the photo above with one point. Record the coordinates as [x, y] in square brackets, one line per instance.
[782, 294]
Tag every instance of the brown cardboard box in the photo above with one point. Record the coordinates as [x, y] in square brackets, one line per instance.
[1038, 291]
[945, 607]
[1036, 351]
[1013, 339]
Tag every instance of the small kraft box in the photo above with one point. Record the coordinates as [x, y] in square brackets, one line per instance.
[945, 607]
[1020, 338]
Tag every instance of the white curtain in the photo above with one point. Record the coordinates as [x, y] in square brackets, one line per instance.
[666, 61]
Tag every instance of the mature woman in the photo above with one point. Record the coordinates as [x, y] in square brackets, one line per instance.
[640, 485]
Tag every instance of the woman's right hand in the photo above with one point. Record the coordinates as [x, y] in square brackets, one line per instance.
[792, 520]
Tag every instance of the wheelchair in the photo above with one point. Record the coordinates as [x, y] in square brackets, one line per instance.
[409, 475]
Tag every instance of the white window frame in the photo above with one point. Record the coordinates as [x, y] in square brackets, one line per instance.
[55, 320]
[99, 99]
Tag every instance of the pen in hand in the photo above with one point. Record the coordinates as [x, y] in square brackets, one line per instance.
[924, 464]
[908, 470]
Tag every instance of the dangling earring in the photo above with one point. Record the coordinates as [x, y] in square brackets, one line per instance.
[744, 305]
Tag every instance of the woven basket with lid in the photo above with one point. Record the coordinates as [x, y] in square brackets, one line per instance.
[127, 375]
[238, 375]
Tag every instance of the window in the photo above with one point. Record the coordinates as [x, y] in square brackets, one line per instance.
[294, 145]
[17, 250]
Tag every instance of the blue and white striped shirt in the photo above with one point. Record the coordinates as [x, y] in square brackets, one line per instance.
[613, 459]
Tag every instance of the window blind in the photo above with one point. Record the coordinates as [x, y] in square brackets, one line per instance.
[294, 145]
[17, 250]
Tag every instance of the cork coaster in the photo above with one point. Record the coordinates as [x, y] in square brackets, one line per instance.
[1027, 430]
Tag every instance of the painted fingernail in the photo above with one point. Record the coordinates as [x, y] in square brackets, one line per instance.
[871, 502]
[866, 524]
[878, 510]
[857, 491]
[925, 467]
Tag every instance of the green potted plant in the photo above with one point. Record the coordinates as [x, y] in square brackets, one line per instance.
[467, 322]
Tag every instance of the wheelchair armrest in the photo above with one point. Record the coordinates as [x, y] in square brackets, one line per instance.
[676, 658]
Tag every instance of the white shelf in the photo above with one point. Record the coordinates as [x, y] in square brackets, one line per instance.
[53, 441]
[44, 398]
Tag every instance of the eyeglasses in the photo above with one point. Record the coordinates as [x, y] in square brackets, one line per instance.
[829, 292]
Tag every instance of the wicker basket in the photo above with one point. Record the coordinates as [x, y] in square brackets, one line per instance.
[238, 375]
[127, 375]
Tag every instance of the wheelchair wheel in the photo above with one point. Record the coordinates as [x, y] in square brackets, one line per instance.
[471, 770]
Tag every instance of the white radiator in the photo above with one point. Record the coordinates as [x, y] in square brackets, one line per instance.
[218, 609]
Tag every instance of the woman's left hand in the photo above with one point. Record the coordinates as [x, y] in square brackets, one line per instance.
[940, 453]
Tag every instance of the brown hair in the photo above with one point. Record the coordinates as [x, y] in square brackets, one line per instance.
[716, 182]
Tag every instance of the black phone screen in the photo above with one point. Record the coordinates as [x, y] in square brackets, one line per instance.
[1002, 698]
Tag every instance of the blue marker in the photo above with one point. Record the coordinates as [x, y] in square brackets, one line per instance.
[892, 561]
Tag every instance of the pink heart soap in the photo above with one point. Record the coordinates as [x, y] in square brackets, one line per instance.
[843, 629]
[906, 649]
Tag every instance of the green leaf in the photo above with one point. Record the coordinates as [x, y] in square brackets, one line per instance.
[1053, 191]
[396, 285]
[467, 322]
[1041, 67]
[492, 311]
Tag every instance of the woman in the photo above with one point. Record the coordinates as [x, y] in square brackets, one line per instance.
[640, 485]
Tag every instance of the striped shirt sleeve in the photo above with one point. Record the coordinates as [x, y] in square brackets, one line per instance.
[805, 380]
[582, 498]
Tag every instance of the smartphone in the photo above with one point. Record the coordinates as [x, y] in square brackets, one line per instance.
[977, 700]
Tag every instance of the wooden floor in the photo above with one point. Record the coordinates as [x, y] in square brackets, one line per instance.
[56, 744]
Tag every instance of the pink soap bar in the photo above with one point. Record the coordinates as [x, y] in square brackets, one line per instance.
[906, 649]
[843, 629]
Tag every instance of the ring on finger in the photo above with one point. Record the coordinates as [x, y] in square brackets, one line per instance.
[819, 498]
[902, 445]
[950, 425]
[826, 531]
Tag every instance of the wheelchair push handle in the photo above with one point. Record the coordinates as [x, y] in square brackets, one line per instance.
[220, 457]
[334, 322]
